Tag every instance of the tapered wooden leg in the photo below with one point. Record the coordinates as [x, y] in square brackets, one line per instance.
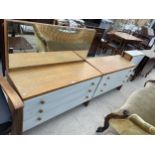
[111, 116]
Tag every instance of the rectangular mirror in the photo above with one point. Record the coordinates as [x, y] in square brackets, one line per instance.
[34, 44]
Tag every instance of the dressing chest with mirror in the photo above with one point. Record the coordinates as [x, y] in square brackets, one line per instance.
[48, 68]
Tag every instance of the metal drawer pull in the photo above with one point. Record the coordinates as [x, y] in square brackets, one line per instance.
[39, 118]
[42, 102]
[108, 77]
[41, 110]
[89, 90]
[87, 96]
[104, 84]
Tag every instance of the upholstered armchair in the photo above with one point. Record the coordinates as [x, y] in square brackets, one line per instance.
[60, 38]
[137, 115]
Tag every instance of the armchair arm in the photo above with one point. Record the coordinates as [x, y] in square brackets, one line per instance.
[142, 124]
[15, 104]
[152, 81]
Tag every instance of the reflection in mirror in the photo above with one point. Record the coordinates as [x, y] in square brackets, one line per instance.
[33, 39]
[21, 38]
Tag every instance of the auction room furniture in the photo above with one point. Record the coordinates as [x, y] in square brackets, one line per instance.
[136, 57]
[115, 71]
[136, 116]
[51, 83]
[150, 64]
[124, 39]
[144, 61]
[105, 45]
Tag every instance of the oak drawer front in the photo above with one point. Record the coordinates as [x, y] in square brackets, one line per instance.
[51, 113]
[111, 81]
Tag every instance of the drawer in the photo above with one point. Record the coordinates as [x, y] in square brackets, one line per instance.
[111, 81]
[82, 94]
[51, 113]
[74, 95]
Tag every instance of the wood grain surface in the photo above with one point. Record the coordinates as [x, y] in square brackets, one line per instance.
[110, 64]
[20, 60]
[30, 82]
[125, 36]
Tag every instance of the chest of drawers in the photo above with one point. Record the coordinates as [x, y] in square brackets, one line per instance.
[42, 108]
[49, 91]
[112, 81]
[115, 71]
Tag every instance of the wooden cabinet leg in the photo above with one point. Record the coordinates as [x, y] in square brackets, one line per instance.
[86, 103]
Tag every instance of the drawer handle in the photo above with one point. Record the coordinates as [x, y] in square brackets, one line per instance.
[87, 96]
[89, 90]
[39, 118]
[42, 102]
[92, 83]
[108, 77]
[41, 111]
[101, 90]
[104, 84]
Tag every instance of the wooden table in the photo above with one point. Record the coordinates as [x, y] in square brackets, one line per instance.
[124, 38]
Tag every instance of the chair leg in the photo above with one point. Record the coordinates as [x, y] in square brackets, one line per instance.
[110, 116]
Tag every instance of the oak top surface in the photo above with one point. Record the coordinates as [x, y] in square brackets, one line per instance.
[125, 36]
[31, 82]
[110, 64]
[21, 60]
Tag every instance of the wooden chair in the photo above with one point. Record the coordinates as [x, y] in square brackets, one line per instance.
[136, 116]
